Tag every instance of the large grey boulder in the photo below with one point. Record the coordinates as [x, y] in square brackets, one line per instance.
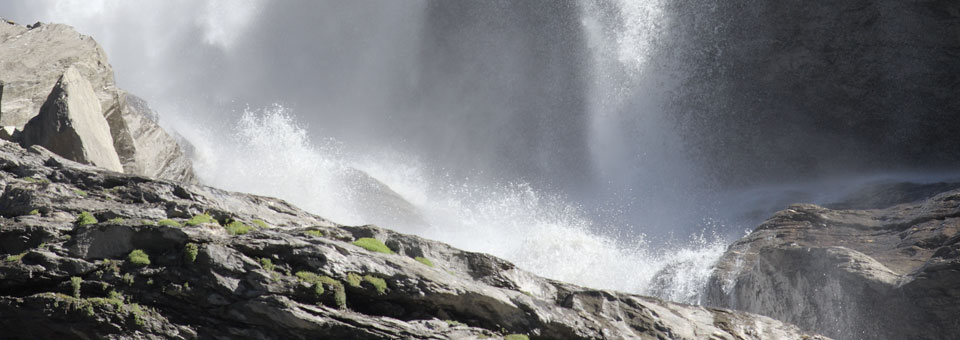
[156, 153]
[71, 125]
[292, 276]
[32, 58]
[891, 273]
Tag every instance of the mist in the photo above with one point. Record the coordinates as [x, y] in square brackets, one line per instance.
[625, 127]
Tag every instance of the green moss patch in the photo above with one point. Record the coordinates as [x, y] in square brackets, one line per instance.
[116, 220]
[15, 258]
[260, 224]
[320, 284]
[190, 251]
[200, 219]
[424, 260]
[75, 283]
[237, 228]
[267, 264]
[373, 245]
[168, 223]
[379, 284]
[138, 258]
[316, 233]
[80, 193]
[85, 218]
[516, 337]
[354, 279]
[34, 212]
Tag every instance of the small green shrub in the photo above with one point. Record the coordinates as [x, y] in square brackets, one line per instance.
[115, 220]
[200, 219]
[75, 282]
[339, 293]
[379, 284]
[316, 233]
[190, 251]
[373, 245]
[237, 228]
[128, 279]
[260, 223]
[267, 264]
[354, 279]
[80, 193]
[34, 212]
[319, 283]
[138, 258]
[168, 223]
[15, 258]
[85, 218]
[516, 337]
[424, 260]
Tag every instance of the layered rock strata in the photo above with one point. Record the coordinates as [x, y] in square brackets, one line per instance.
[89, 253]
[889, 273]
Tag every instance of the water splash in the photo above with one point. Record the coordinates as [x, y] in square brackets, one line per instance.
[268, 153]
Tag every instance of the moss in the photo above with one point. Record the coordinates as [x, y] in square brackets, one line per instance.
[33, 180]
[373, 245]
[15, 258]
[149, 222]
[34, 212]
[115, 220]
[200, 219]
[237, 228]
[354, 279]
[80, 193]
[138, 258]
[168, 223]
[75, 282]
[190, 251]
[339, 293]
[266, 264]
[85, 218]
[320, 284]
[128, 279]
[453, 323]
[316, 233]
[516, 337]
[424, 260]
[260, 224]
[379, 284]
[137, 313]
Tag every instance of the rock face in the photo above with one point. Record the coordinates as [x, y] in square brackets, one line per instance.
[70, 124]
[276, 272]
[32, 60]
[156, 154]
[852, 274]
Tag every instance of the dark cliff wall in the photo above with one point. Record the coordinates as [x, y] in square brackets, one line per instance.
[781, 89]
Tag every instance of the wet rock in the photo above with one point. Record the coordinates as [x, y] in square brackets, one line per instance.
[292, 275]
[851, 274]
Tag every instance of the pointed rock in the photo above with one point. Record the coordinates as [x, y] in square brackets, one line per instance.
[155, 152]
[71, 124]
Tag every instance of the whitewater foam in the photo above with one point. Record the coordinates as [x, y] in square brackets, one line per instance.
[267, 153]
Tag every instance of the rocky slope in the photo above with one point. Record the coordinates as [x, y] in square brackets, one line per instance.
[34, 59]
[90, 253]
[887, 273]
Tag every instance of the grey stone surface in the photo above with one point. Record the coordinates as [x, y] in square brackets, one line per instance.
[889, 273]
[229, 291]
[32, 58]
[70, 124]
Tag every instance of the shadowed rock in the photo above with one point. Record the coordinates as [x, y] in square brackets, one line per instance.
[71, 125]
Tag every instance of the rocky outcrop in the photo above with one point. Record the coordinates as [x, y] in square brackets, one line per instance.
[89, 253]
[157, 154]
[34, 57]
[852, 274]
[70, 124]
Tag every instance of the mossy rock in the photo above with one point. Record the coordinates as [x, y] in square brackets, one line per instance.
[85, 218]
[237, 228]
[139, 258]
[424, 260]
[168, 223]
[373, 245]
[200, 219]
